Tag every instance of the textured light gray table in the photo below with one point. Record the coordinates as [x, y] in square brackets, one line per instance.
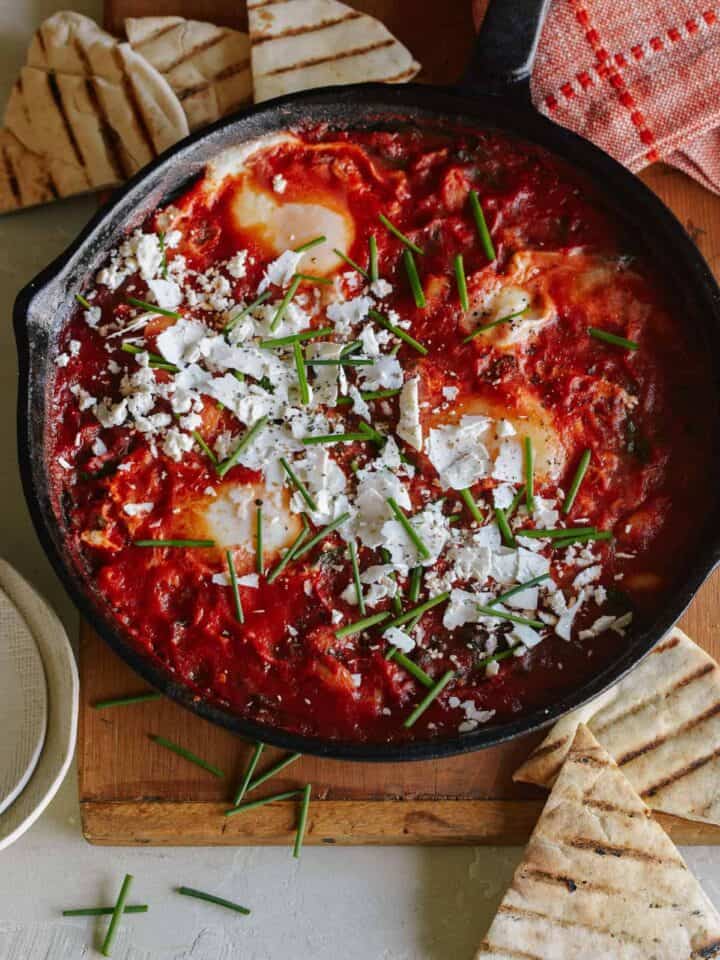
[354, 904]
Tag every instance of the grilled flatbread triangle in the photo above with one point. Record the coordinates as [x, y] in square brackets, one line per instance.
[24, 176]
[207, 66]
[299, 44]
[662, 726]
[600, 878]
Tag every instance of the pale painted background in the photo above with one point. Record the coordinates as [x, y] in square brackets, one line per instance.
[336, 904]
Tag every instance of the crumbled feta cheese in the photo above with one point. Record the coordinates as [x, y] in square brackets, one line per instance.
[347, 314]
[399, 638]
[62, 360]
[111, 414]
[279, 183]
[385, 373]
[176, 444]
[166, 293]
[280, 272]
[450, 393]
[409, 428]
[137, 509]
[458, 453]
[381, 288]
[237, 265]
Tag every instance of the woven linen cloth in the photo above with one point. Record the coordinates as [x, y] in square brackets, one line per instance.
[640, 78]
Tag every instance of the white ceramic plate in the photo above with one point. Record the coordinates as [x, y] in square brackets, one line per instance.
[62, 706]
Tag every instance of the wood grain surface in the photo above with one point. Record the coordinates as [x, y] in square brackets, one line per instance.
[134, 792]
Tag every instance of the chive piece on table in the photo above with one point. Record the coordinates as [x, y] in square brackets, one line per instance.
[576, 481]
[302, 820]
[400, 236]
[293, 337]
[273, 770]
[104, 911]
[413, 279]
[409, 615]
[285, 303]
[245, 311]
[298, 484]
[186, 754]
[237, 602]
[209, 898]
[248, 775]
[252, 804]
[502, 615]
[359, 625]
[153, 308]
[83, 301]
[351, 263]
[118, 911]
[356, 577]
[494, 323]
[412, 668]
[126, 701]
[431, 695]
[461, 282]
[415, 583]
[289, 555]
[174, 543]
[408, 528]
[504, 527]
[612, 338]
[398, 331]
[259, 564]
[315, 242]
[373, 258]
[518, 589]
[321, 534]
[205, 448]
[529, 474]
[482, 227]
[469, 502]
[246, 440]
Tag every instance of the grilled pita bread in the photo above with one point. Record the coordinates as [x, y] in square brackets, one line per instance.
[24, 176]
[87, 110]
[207, 66]
[662, 726]
[600, 878]
[299, 44]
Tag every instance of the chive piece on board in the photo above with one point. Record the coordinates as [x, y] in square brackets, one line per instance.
[418, 611]
[529, 474]
[273, 770]
[513, 618]
[245, 441]
[398, 332]
[209, 898]
[126, 701]
[152, 308]
[285, 303]
[482, 227]
[461, 282]
[504, 527]
[186, 754]
[245, 311]
[373, 258]
[174, 543]
[612, 338]
[408, 528]
[248, 775]
[298, 484]
[359, 625]
[431, 695]
[413, 279]
[315, 242]
[302, 820]
[118, 911]
[400, 236]
[352, 549]
[576, 481]
[237, 602]
[253, 804]
[469, 502]
[321, 534]
[351, 263]
[104, 911]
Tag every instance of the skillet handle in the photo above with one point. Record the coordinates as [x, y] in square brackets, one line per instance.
[505, 47]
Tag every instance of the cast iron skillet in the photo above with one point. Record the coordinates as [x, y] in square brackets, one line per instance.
[495, 93]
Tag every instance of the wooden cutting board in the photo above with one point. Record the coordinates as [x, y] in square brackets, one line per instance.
[134, 792]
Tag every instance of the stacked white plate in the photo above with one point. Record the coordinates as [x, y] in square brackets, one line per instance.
[38, 704]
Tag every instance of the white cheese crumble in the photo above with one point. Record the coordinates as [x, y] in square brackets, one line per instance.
[409, 428]
[137, 509]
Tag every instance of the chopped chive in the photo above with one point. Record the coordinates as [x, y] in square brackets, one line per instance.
[321, 534]
[516, 500]
[118, 911]
[252, 804]
[288, 555]
[340, 362]
[431, 695]
[237, 602]
[397, 331]
[415, 583]
[356, 577]
[174, 543]
[373, 258]
[412, 668]
[461, 282]
[302, 820]
[334, 438]
[401, 236]
[350, 348]
[529, 475]
[154, 359]
[518, 589]
[469, 502]
[205, 448]
[186, 754]
[359, 625]
[273, 770]
[577, 480]
[582, 538]
[371, 433]
[418, 611]
[408, 528]
[311, 278]
[558, 533]
[294, 337]
[351, 263]
[246, 440]
[83, 301]
[502, 615]
[310, 244]
[104, 911]
[209, 898]
[247, 776]
[613, 338]
[126, 701]
[494, 657]
[371, 395]
[245, 311]
[298, 484]
[495, 323]
[259, 565]
[414, 279]
[396, 601]
[285, 303]
[153, 308]
[504, 527]
[482, 227]
[163, 252]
